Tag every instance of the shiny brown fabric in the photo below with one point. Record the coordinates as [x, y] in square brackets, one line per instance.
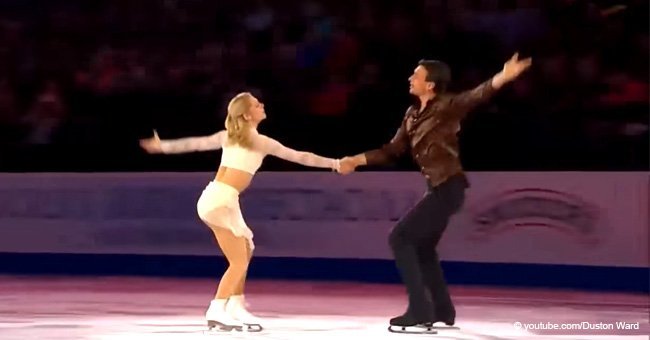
[430, 135]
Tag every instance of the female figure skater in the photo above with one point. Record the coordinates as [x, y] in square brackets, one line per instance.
[243, 152]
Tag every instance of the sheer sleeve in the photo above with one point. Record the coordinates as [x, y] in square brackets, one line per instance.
[272, 147]
[192, 144]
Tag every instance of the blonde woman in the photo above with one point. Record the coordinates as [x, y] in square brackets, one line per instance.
[244, 150]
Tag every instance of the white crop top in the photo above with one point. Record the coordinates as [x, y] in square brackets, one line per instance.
[248, 160]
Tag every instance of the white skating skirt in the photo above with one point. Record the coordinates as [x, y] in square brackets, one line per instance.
[218, 206]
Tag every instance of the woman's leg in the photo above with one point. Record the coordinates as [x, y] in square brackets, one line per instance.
[236, 306]
[240, 286]
[236, 251]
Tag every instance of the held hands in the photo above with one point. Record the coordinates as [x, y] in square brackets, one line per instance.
[348, 165]
[514, 67]
[151, 145]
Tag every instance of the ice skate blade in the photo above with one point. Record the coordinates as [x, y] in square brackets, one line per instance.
[417, 329]
[215, 326]
[448, 328]
[253, 327]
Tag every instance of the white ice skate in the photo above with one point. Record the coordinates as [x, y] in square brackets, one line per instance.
[236, 308]
[219, 320]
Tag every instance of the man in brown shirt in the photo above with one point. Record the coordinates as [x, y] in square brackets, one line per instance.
[428, 133]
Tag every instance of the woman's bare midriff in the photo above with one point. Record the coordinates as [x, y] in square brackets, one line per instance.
[237, 179]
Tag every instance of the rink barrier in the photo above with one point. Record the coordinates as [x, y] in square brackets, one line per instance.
[588, 278]
[563, 230]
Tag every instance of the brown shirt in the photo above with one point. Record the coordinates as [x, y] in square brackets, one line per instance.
[429, 135]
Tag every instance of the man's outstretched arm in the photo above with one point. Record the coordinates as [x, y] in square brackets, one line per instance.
[467, 100]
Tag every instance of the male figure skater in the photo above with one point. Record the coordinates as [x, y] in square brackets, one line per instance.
[428, 134]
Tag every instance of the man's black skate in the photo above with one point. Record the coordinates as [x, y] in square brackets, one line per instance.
[409, 324]
[449, 321]
[449, 325]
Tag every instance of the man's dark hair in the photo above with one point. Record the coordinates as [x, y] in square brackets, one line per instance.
[437, 72]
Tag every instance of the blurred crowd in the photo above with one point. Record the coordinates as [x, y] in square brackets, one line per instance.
[82, 81]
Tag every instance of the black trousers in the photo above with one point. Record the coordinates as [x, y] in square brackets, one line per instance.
[414, 240]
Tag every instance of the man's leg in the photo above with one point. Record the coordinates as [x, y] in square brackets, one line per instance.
[405, 239]
[451, 197]
[434, 280]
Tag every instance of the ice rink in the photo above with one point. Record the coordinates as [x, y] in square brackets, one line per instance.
[110, 308]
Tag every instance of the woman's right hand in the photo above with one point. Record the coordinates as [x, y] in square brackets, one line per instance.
[151, 145]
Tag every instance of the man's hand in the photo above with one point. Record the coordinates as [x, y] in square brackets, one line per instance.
[511, 70]
[514, 67]
[348, 165]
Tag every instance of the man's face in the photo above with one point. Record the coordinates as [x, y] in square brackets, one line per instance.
[419, 85]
